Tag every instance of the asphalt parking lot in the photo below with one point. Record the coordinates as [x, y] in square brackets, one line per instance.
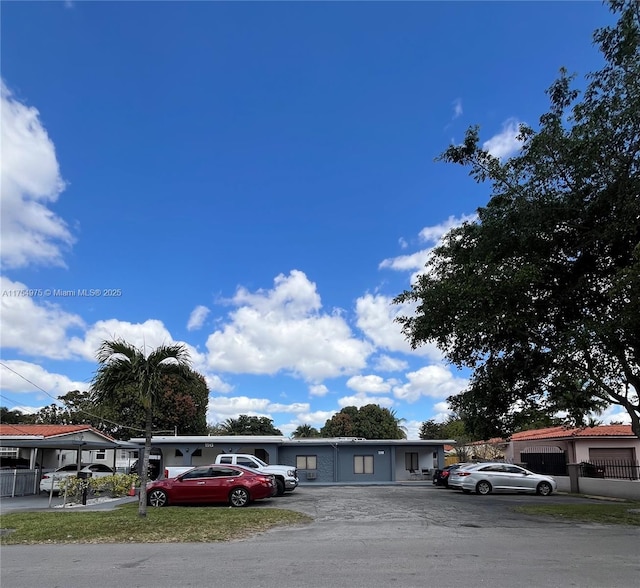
[409, 535]
[422, 502]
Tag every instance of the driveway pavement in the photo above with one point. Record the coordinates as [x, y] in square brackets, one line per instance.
[362, 536]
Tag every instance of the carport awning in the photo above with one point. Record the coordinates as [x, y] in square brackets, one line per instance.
[57, 443]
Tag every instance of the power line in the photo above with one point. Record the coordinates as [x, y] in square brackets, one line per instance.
[78, 409]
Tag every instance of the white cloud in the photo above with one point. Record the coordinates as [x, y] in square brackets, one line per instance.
[441, 412]
[30, 181]
[432, 235]
[375, 317]
[370, 384]
[197, 318]
[385, 363]
[283, 330]
[432, 381]
[362, 399]
[145, 336]
[435, 233]
[457, 108]
[222, 408]
[505, 143]
[614, 414]
[318, 390]
[22, 377]
[412, 428]
[33, 327]
[215, 383]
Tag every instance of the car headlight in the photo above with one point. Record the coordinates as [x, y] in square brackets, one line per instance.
[291, 473]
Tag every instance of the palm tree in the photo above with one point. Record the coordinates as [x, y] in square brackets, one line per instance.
[124, 366]
[305, 432]
[401, 430]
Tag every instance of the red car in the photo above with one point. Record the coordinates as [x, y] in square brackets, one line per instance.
[235, 485]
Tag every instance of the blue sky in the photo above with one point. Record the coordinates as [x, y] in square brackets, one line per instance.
[255, 180]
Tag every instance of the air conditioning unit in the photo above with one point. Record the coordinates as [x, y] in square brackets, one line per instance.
[311, 475]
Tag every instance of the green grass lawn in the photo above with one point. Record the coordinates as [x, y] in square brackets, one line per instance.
[161, 525]
[615, 513]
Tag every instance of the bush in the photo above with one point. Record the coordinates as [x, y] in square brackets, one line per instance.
[113, 486]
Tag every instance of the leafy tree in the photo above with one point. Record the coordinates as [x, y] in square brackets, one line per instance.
[539, 296]
[432, 430]
[75, 408]
[126, 369]
[370, 422]
[11, 416]
[215, 429]
[249, 425]
[181, 405]
[305, 432]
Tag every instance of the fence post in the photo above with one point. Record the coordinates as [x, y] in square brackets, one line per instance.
[574, 477]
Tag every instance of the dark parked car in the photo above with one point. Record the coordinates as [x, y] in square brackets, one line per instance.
[15, 463]
[235, 485]
[153, 473]
[441, 477]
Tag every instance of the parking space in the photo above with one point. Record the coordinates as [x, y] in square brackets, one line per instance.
[421, 503]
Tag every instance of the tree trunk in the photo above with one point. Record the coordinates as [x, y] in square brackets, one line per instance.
[144, 473]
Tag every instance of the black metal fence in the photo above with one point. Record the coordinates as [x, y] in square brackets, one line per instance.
[610, 468]
[551, 463]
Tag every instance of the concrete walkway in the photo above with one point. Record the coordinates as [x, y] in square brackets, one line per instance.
[41, 502]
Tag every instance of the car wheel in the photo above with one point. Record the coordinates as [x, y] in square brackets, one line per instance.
[157, 498]
[544, 489]
[483, 488]
[279, 487]
[239, 497]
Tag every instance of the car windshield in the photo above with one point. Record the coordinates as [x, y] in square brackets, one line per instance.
[262, 463]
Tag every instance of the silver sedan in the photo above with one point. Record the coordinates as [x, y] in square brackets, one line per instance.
[485, 478]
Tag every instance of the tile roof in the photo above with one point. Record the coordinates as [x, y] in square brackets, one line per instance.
[564, 432]
[46, 431]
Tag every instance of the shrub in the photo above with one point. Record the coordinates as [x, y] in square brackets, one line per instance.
[114, 486]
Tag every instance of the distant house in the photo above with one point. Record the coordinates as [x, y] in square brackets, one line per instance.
[51, 446]
[585, 444]
[610, 451]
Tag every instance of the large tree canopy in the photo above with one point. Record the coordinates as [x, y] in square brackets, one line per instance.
[180, 406]
[369, 422]
[540, 296]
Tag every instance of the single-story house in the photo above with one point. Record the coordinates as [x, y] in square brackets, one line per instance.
[584, 444]
[51, 446]
[318, 460]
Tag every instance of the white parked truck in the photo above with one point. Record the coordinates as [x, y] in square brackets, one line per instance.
[286, 476]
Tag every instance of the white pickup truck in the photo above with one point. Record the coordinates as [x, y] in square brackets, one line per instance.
[286, 476]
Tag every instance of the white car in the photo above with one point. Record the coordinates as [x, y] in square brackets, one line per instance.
[51, 480]
[484, 478]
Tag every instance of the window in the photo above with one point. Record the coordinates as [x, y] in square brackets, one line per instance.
[363, 464]
[101, 455]
[511, 469]
[411, 461]
[196, 473]
[306, 462]
[197, 453]
[225, 460]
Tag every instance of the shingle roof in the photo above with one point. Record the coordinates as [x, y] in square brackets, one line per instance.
[563, 432]
[46, 431]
